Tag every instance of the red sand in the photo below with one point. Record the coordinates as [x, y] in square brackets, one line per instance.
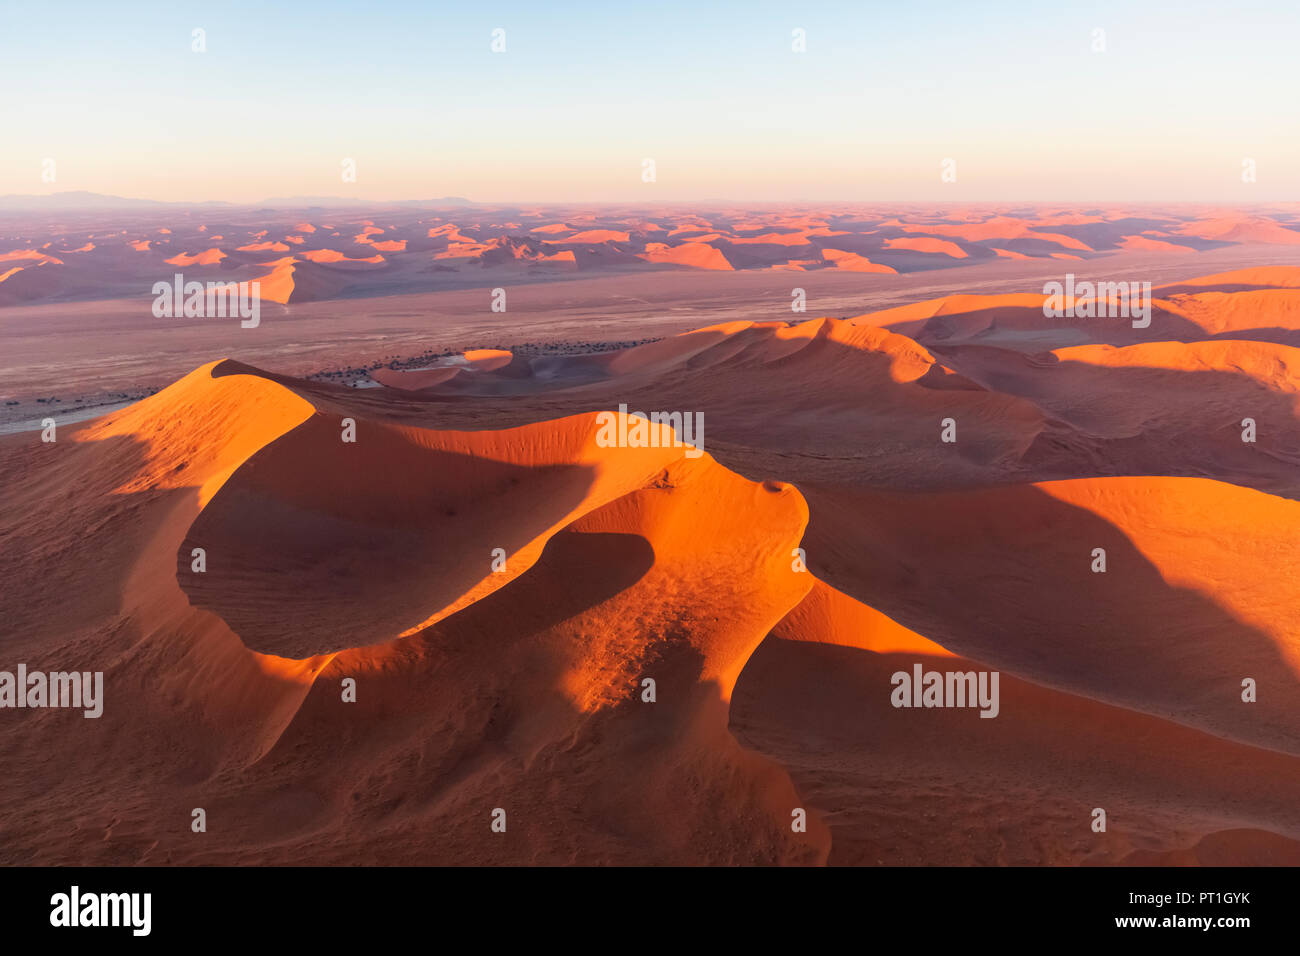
[825, 539]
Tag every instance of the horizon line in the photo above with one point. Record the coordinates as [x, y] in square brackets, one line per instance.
[104, 201]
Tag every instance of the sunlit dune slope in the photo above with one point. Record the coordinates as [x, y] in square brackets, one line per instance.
[313, 545]
[1187, 607]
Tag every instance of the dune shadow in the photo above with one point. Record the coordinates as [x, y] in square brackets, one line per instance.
[316, 544]
[1003, 575]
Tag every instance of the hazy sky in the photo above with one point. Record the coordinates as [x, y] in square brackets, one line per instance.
[712, 92]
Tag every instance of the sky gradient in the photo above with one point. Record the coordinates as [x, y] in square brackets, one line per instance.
[713, 93]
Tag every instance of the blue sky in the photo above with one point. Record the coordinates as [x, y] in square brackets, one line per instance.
[711, 91]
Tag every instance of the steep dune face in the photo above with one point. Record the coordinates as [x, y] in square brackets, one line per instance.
[1019, 789]
[943, 786]
[474, 361]
[375, 535]
[1272, 314]
[121, 492]
[1243, 228]
[353, 624]
[1263, 277]
[1186, 312]
[943, 246]
[696, 255]
[208, 257]
[1188, 606]
[219, 664]
[851, 262]
[547, 720]
[883, 416]
[1103, 420]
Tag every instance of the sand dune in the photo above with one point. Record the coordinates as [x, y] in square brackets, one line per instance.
[941, 246]
[1182, 312]
[852, 262]
[269, 246]
[206, 258]
[500, 580]
[1242, 229]
[697, 256]
[334, 256]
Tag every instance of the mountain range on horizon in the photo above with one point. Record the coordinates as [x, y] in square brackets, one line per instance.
[80, 199]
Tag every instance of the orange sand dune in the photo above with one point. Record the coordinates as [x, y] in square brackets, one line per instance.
[595, 235]
[1000, 227]
[958, 315]
[333, 255]
[695, 255]
[462, 250]
[1266, 277]
[1252, 313]
[475, 360]
[928, 245]
[851, 262]
[1153, 245]
[1241, 229]
[645, 652]
[415, 379]
[1097, 399]
[1189, 312]
[31, 281]
[599, 530]
[1187, 608]
[295, 280]
[1038, 769]
[773, 238]
[39, 258]
[488, 360]
[264, 247]
[206, 258]
[278, 284]
[449, 231]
